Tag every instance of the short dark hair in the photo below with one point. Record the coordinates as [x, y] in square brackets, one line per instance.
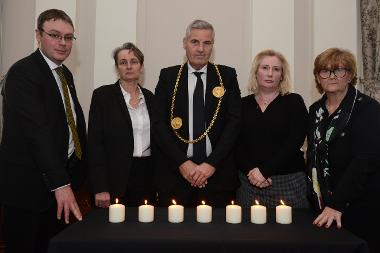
[128, 46]
[54, 14]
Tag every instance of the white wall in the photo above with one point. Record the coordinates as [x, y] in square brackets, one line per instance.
[273, 27]
[300, 29]
[162, 25]
[115, 24]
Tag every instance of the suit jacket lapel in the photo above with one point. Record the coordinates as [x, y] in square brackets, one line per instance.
[210, 100]
[50, 84]
[182, 101]
[120, 101]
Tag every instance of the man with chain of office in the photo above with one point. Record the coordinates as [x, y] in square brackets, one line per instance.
[197, 122]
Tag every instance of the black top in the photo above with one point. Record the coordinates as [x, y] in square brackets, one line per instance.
[271, 140]
[110, 140]
[354, 154]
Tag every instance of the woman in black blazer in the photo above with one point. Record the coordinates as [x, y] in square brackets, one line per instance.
[343, 154]
[119, 135]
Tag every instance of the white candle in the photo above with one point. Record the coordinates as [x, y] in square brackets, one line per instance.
[258, 213]
[204, 213]
[146, 213]
[233, 213]
[283, 214]
[116, 212]
[175, 213]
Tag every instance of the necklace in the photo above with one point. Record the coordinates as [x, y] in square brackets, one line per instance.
[176, 122]
[265, 101]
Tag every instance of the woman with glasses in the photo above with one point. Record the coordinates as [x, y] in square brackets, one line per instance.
[344, 149]
[273, 131]
[119, 135]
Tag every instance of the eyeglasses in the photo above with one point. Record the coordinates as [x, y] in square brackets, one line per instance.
[58, 37]
[339, 73]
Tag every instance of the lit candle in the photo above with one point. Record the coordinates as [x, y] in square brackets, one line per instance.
[283, 214]
[233, 213]
[146, 212]
[258, 213]
[204, 213]
[116, 212]
[175, 213]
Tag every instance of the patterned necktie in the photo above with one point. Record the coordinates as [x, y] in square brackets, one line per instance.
[199, 148]
[69, 113]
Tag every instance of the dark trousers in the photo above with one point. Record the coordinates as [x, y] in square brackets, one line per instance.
[140, 185]
[28, 231]
[191, 197]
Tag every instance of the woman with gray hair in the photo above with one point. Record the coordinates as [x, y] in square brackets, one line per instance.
[272, 133]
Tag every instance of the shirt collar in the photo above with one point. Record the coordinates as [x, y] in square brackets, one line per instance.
[191, 70]
[128, 96]
[51, 64]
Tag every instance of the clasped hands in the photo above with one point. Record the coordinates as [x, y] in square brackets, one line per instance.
[257, 179]
[196, 174]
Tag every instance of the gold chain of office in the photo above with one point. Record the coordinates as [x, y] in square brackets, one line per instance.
[203, 135]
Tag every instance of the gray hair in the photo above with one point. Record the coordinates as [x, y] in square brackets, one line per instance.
[199, 24]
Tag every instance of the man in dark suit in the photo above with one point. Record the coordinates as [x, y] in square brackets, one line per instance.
[198, 107]
[43, 142]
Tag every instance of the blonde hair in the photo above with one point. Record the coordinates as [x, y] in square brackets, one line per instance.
[285, 83]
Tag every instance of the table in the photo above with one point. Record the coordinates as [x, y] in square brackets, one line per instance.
[95, 234]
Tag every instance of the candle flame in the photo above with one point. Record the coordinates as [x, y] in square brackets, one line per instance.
[232, 202]
[173, 201]
[146, 202]
[257, 202]
[117, 200]
[282, 202]
[203, 203]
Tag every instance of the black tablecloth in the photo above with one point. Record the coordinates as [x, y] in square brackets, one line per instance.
[95, 234]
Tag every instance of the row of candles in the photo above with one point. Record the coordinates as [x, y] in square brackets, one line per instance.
[204, 213]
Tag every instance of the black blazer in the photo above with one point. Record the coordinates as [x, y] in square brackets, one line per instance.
[173, 152]
[110, 139]
[33, 153]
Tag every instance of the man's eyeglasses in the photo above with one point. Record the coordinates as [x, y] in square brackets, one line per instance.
[339, 73]
[58, 37]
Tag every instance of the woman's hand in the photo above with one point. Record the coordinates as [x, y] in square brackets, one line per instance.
[257, 179]
[327, 217]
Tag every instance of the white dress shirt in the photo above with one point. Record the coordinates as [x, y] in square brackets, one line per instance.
[192, 81]
[140, 124]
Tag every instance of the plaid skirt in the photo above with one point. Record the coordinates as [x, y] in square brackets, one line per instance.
[290, 188]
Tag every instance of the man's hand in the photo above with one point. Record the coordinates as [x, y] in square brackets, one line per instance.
[327, 217]
[66, 202]
[102, 199]
[187, 170]
[202, 173]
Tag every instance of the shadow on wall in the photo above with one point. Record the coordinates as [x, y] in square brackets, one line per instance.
[2, 82]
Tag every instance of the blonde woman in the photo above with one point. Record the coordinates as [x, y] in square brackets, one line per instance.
[273, 130]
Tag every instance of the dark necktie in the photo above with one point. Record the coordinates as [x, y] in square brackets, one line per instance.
[199, 148]
[69, 113]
